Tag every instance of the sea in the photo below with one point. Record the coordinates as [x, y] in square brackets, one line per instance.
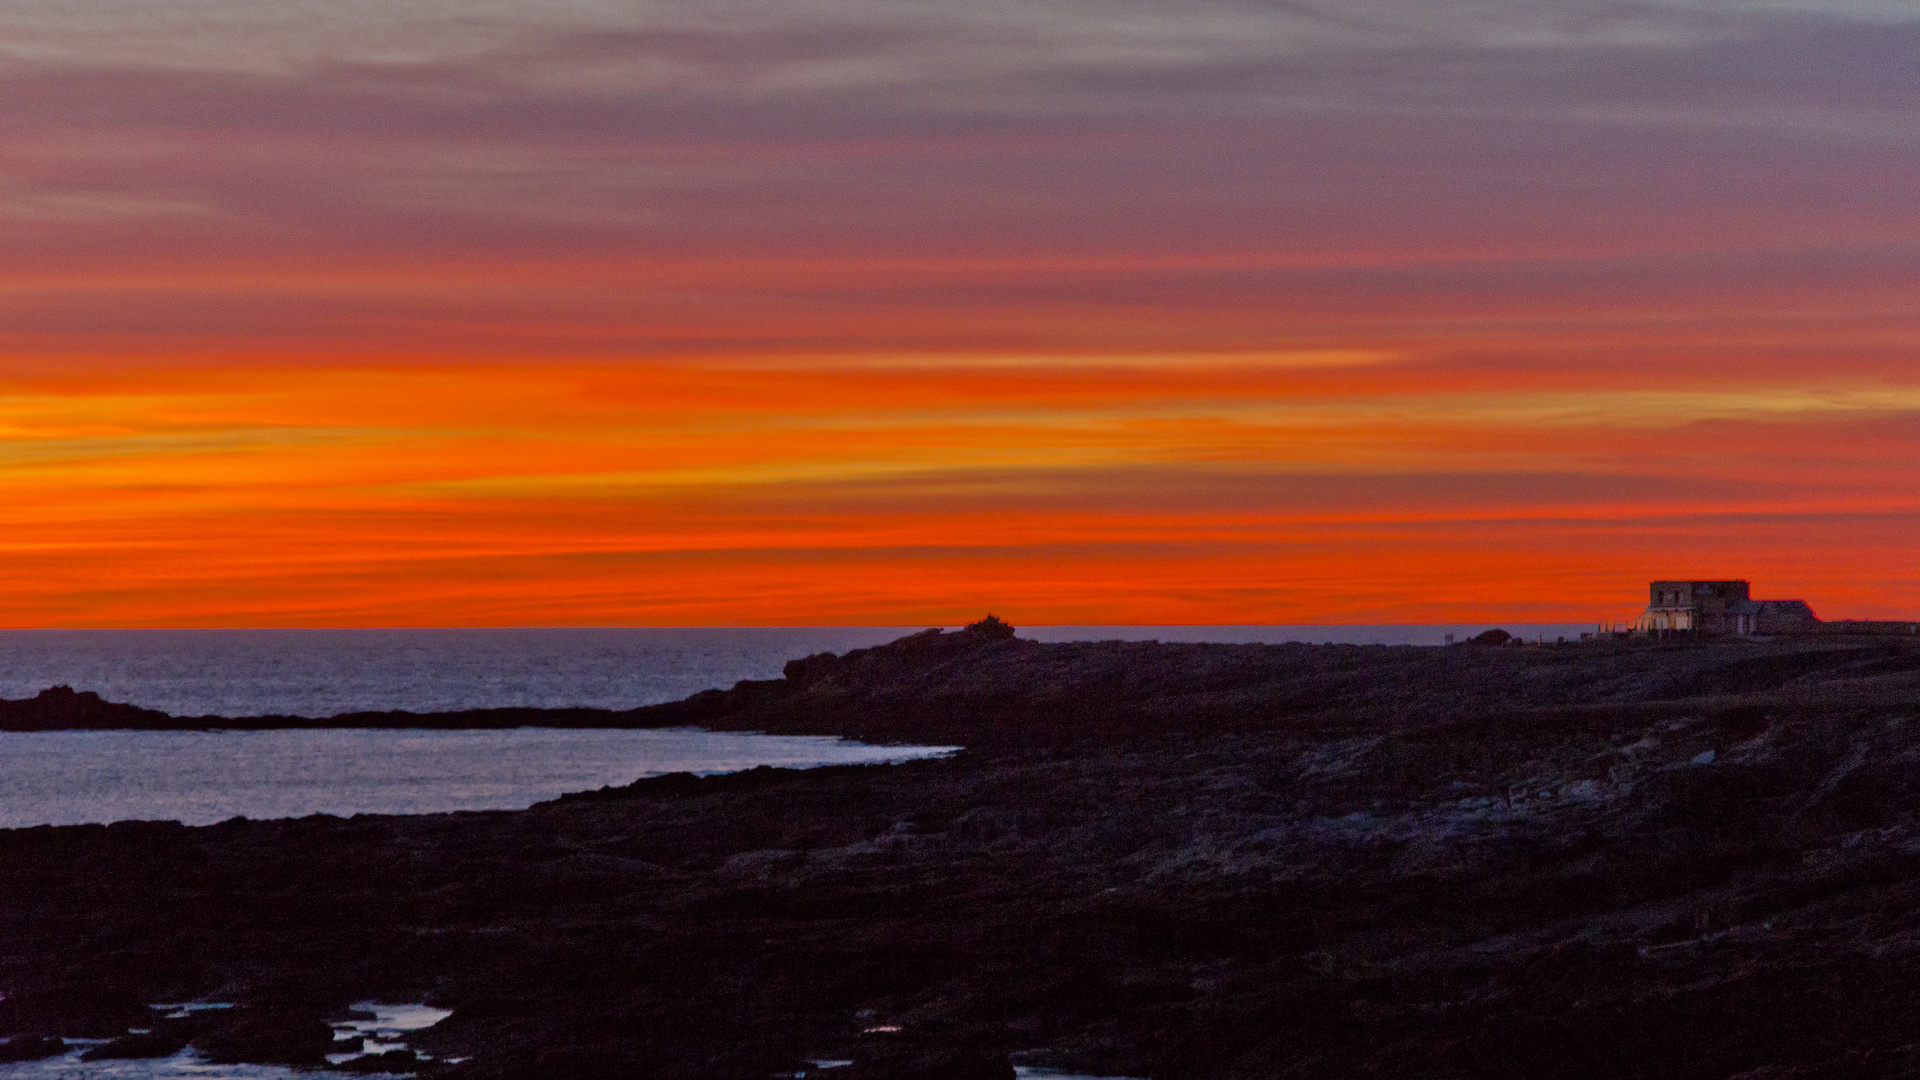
[321, 673]
[205, 776]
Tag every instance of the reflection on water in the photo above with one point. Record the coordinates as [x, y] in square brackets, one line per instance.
[320, 673]
[200, 777]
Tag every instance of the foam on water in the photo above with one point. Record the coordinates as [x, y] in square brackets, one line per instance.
[384, 1030]
[185, 1065]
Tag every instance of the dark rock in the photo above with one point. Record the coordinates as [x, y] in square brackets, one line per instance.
[591, 1061]
[990, 628]
[733, 1064]
[149, 1044]
[85, 1010]
[62, 708]
[267, 1038]
[30, 1048]
[1692, 859]
[914, 1060]
[392, 1061]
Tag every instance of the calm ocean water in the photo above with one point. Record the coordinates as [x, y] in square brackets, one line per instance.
[200, 777]
[322, 673]
[207, 776]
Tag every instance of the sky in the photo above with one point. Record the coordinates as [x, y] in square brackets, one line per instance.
[745, 312]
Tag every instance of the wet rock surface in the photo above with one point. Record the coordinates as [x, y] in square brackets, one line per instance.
[272, 1035]
[138, 1044]
[391, 1061]
[30, 1048]
[77, 1008]
[1171, 861]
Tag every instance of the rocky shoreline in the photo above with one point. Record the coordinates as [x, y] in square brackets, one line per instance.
[1153, 860]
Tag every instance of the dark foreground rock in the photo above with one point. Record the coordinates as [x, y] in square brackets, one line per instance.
[391, 1061]
[30, 1048]
[139, 1044]
[79, 1008]
[1697, 861]
[267, 1036]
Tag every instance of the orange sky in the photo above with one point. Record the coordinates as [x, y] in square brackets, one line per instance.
[405, 314]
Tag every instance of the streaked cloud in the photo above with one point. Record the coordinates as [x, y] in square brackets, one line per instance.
[1230, 310]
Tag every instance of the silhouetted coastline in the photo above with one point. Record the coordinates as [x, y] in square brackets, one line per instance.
[1682, 859]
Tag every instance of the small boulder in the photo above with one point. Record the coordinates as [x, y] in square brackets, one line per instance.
[85, 1010]
[811, 669]
[612, 1060]
[268, 1038]
[991, 628]
[30, 1048]
[138, 1044]
[393, 1061]
[927, 1058]
[740, 1063]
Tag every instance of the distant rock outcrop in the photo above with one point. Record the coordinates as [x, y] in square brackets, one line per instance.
[62, 708]
[915, 650]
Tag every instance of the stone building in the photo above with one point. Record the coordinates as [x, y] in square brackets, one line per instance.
[1719, 609]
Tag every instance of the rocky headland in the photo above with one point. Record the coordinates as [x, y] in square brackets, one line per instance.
[1173, 861]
